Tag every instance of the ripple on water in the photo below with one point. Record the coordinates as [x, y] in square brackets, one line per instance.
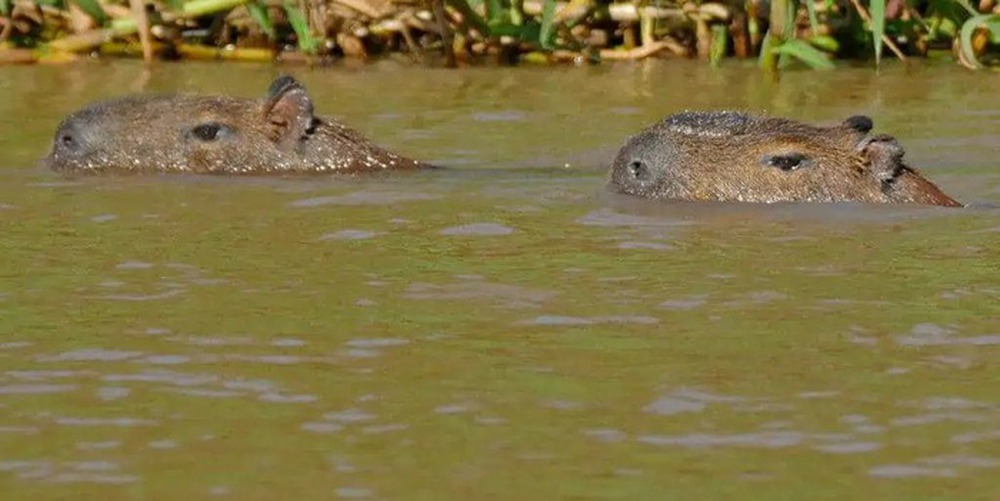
[569, 321]
[364, 198]
[47, 375]
[212, 340]
[928, 334]
[167, 359]
[134, 265]
[104, 218]
[490, 420]
[35, 389]
[757, 297]
[349, 416]
[145, 297]
[456, 408]
[349, 235]
[19, 430]
[610, 435]
[123, 422]
[207, 392]
[287, 398]
[849, 447]
[97, 472]
[606, 217]
[910, 470]
[288, 342]
[163, 376]
[219, 490]
[940, 466]
[278, 359]
[87, 446]
[379, 429]
[983, 436]
[353, 492]
[360, 353]
[631, 244]
[767, 439]
[320, 427]
[108, 393]
[941, 403]
[13, 345]
[478, 229]
[377, 342]
[688, 400]
[91, 355]
[509, 296]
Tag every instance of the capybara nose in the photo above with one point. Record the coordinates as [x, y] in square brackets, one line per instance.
[68, 138]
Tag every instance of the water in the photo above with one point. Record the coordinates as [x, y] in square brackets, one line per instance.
[502, 329]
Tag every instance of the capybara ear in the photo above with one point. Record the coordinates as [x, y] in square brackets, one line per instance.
[883, 156]
[288, 112]
[860, 123]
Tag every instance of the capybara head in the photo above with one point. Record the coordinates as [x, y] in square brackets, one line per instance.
[214, 134]
[731, 156]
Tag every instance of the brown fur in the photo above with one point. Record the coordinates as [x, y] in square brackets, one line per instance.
[215, 135]
[729, 156]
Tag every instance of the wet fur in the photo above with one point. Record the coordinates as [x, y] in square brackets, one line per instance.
[731, 156]
[277, 134]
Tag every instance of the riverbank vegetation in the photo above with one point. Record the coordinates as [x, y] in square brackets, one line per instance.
[778, 33]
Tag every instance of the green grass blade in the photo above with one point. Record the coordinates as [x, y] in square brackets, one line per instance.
[806, 53]
[968, 7]
[994, 27]
[791, 7]
[5, 7]
[517, 12]
[719, 45]
[990, 21]
[471, 16]
[813, 20]
[547, 32]
[768, 55]
[494, 11]
[94, 10]
[259, 14]
[825, 43]
[197, 8]
[878, 27]
[307, 42]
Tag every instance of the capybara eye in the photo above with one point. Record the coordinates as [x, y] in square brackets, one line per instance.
[789, 162]
[210, 131]
[639, 170]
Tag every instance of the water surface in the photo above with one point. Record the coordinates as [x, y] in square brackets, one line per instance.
[501, 329]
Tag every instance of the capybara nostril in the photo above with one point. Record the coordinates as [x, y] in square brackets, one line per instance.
[639, 170]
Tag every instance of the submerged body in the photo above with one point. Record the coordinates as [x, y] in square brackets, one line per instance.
[731, 156]
[215, 135]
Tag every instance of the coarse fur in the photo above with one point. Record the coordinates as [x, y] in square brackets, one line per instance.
[732, 156]
[215, 135]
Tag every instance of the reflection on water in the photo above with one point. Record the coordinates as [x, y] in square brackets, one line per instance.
[502, 328]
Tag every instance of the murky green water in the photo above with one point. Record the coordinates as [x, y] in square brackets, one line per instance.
[501, 330]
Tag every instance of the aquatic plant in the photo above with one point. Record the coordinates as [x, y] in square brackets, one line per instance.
[780, 33]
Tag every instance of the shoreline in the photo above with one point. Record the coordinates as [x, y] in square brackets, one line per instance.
[452, 33]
